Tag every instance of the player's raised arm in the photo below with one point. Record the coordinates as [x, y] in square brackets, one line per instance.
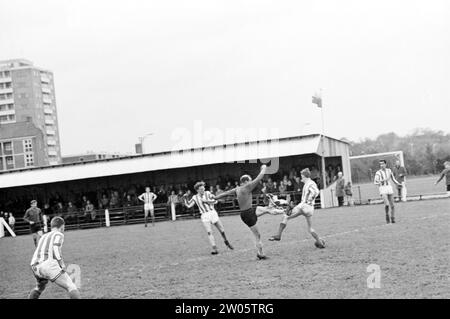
[224, 194]
[258, 178]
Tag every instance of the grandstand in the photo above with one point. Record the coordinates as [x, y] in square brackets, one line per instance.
[180, 168]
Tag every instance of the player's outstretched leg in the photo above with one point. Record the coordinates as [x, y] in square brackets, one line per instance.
[320, 243]
[259, 247]
[65, 282]
[262, 210]
[221, 229]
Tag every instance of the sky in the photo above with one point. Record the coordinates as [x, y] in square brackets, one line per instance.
[204, 72]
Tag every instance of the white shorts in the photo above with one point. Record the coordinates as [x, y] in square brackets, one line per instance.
[307, 210]
[210, 217]
[49, 269]
[386, 190]
[148, 206]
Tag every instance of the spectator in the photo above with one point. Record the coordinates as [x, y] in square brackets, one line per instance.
[270, 186]
[127, 206]
[282, 190]
[89, 211]
[162, 195]
[11, 221]
[59, 209]
[340, 185]
[298, 188]
[173, 199]
[104, 202]
[349, 194]
[48, 211]
[71, 214]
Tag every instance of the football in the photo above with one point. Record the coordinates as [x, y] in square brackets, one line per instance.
[321, 244]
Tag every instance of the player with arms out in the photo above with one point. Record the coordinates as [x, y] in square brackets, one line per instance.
[148, 198]
[306, 208]
[249, 214]
[205, 203]
[47, 263]
[33, 216]
[446, 173]
[382, 179]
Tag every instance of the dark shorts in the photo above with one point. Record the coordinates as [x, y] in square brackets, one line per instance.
[448, 188]
[249, 217]
[35, 228]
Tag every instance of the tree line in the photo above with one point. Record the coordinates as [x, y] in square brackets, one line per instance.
[424, 151]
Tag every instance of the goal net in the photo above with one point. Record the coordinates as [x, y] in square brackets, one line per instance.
[364, 167]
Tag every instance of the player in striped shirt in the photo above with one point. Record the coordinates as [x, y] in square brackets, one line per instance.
[148, 198]
[382, 179]
[306, 208]
[205, 203]
[47, 263]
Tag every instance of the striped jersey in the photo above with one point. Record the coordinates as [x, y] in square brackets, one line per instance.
[203, 207]
[48, 248]
[310, 192]
[383, 177]
[147, 197]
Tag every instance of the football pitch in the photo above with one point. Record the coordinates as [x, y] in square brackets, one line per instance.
[173, 260]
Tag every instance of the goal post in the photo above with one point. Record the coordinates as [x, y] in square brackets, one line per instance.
[3, 225]
[364, 167]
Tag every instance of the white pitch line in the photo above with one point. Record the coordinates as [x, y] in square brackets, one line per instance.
[285, 243]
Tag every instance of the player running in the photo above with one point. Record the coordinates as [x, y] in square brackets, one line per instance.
[306, 208]
[148, 198]
[47, 263]
[446, 173]
[382, 180]
[205, 203]
[249, 214]
[33, 216]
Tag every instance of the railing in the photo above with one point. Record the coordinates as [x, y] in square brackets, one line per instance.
[135, 214]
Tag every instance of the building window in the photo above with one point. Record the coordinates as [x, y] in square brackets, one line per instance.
[28, 145]
[7, 146]
[9, 161]
[29, 160]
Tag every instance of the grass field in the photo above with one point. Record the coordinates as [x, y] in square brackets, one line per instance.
[415, 185]
[172, 259]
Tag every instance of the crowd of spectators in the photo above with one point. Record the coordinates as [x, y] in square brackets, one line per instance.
[84, 206]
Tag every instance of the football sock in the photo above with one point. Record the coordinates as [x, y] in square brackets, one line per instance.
[211, 239]
[281, 229]
[34, 294]
[74, 294]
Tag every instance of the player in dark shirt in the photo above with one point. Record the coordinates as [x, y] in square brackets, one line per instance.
[33, 216]
[249, 214]
[446, 173]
